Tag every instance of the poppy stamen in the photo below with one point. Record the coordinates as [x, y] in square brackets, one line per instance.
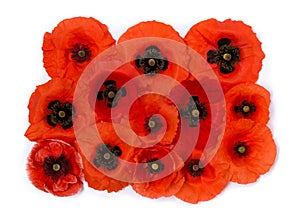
[226, 56]
[246, 108]
[111, 93]
[152, 124]
[155, 166]
[241, 149]
[195, 111]
[195, 168]
[81, 53]
[56, 167]
[152, 61]
[107, 156]
[60, 113]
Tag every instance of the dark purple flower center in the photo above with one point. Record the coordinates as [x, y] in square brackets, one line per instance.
[155, 166]
[195, 168]
[111, 93]
[56, 167]
[195, 111]
[107, 156]
[246, 108]
[60, 113]
[81, 53]
[152, 61]
[152, 124]
[241, 149]
[226, 56]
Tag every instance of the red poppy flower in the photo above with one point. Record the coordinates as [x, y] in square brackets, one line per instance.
[102, 158]
[113, 94]
[155, 56]
[154, 119]
[248, 101]
[73, 44]
[231, 47]
[159, 177]
[202, 182]
[199, 127]
[249, 148]
[55, 167]
[51, 111]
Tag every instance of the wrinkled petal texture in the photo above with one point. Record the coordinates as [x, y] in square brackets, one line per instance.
[55, 89]
[164, 31]
[206, 186]
[252, 93]
[163, 187]
[150, 106]
[204, 36]
[67, 185]
[57, 45]
[261, 150]
[87, 141]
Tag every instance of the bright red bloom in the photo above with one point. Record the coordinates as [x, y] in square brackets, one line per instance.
[199, 127]
[153, 117]
[162, 177]
[112, 94]
[248, 101]
[249, 148]
[51, 111]
[73, 44]
[155, 57]
[202, 181]
[101, 158]
[55, 167]
[231, 47]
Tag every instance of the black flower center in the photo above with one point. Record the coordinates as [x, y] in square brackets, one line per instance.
[81, 53]
[246, 108]
[152, 61]
[107, 156]
[195, 111]
[155, 166]
[195, 168]
[56, 167]
[241, 149]
[111, 93]
[226, 56]
[60, 113]
[152, 124]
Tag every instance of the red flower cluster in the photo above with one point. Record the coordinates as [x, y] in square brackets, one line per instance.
[192, 121]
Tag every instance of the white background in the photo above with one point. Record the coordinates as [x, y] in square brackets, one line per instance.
[23, 24]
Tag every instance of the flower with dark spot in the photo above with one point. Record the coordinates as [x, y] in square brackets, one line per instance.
[248, 147]
[153, 117]
[60, 113]
[72, 44]
[107, 156]
[51, 111]
[152, 61]
[248, 101]
[160, 176]
[111, 93]
[153, 57]
[203, 179]
[230, 47]
[54, 166]
[102, 161]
